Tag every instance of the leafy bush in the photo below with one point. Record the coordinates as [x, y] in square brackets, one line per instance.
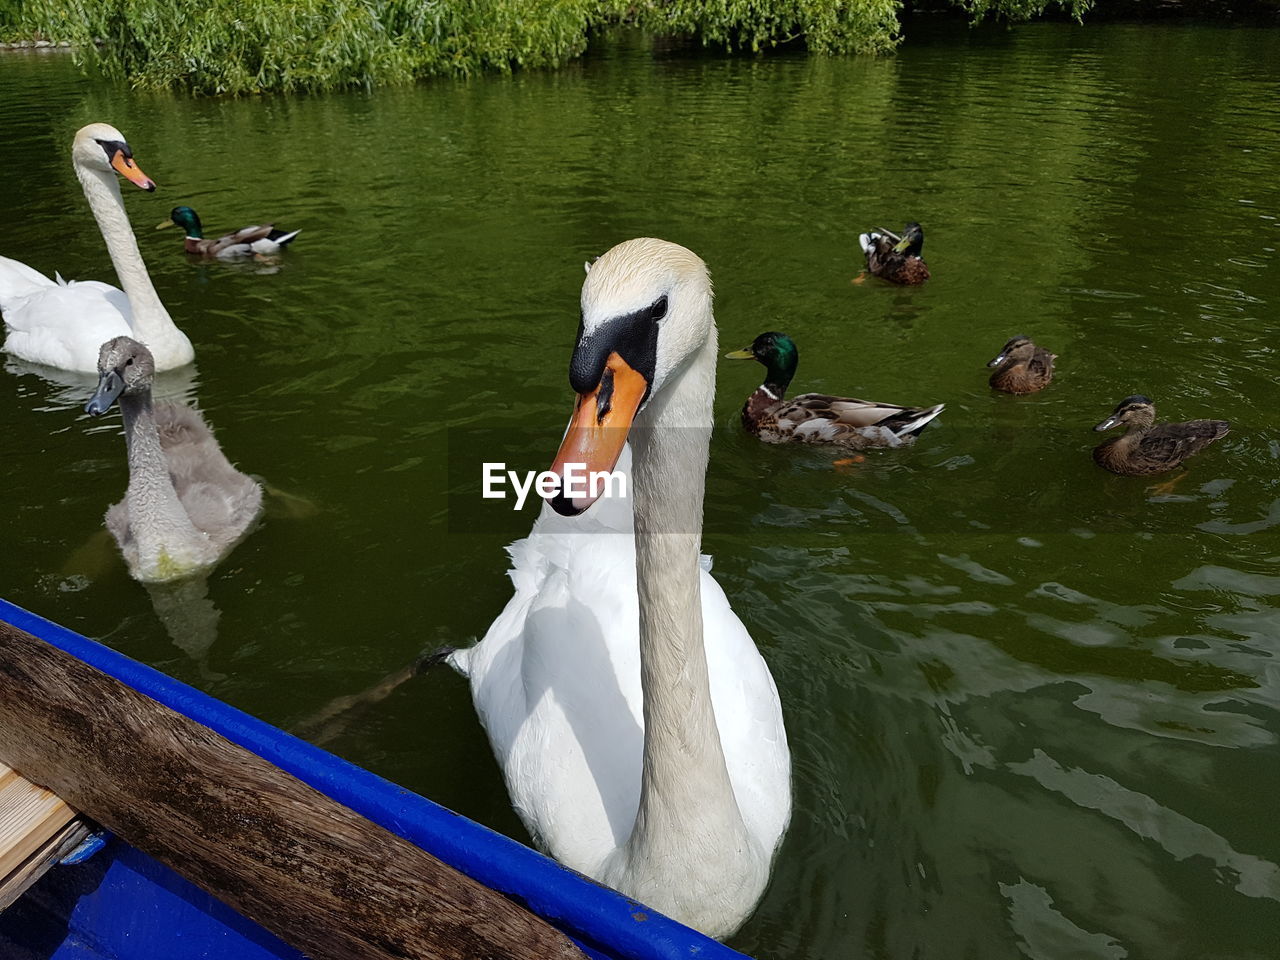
[826, 26]
[246, 46]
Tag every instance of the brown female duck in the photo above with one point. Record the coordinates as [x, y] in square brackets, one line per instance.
[1022, 367]
[816, 417]
[1146, 447]
[893, 258]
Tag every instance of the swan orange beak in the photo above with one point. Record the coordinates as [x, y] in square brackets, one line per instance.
[596, 435]
[124, 165]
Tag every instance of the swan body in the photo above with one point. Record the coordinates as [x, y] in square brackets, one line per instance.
[637, 726]
[62, 324]
[261, 240]
[59, 323]
[186, 506]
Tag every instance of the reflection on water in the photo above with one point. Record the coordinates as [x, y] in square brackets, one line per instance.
[68, 390]
[1035, 708]
[188, 616]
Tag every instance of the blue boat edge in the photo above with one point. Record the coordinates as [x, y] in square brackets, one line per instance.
[124, 905]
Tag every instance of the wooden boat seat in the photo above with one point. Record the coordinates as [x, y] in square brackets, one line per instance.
[36, 830]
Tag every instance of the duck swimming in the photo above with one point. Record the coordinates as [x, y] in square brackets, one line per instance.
[817, 417]
[1146, 447]
[893, 258]
[245, 242]
[1022, 367]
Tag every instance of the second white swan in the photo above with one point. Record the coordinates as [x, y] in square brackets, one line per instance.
[638, 728]
[62, 324]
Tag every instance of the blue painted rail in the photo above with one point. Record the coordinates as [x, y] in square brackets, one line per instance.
[123, 905]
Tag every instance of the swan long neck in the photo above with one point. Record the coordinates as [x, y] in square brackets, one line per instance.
[151, 321]
[159, 523]
[686, 798]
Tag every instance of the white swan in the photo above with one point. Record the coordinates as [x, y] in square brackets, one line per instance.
[186, 505]
[637, 726]
[63, 324]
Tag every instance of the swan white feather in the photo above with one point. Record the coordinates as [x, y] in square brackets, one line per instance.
[572, 737]
[557, 678]
[63, 324]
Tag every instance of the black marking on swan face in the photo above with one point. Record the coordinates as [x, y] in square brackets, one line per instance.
[633, 336]
[112, 147]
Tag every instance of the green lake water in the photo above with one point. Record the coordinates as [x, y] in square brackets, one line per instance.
[1034, 708]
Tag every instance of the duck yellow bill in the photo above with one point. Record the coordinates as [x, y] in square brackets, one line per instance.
[596, 435]
[901, 245]
[131, 171]
[743, 354]
[165, 223]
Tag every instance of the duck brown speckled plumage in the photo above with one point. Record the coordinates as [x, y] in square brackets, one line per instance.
[893, 258]
[1147, 448]
[1022, 367]
[817, 417]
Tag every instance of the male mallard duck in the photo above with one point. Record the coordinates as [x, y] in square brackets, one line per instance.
[1145, 447]
[1022, 367]
[893, 258]
[245, 242]
[816, 417]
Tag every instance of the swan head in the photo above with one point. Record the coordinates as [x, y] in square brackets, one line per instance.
[100, 146]
[124, 366]
[646, 310]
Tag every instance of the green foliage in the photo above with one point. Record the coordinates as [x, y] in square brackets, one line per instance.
[826, 26]
[241, 46]
[1022, 9]
[247, 46]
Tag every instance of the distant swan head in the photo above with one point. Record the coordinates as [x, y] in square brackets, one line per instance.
[100, 146]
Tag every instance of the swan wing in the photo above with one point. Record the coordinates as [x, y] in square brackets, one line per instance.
[60, 324]
[17, 282]
[220, 500]
[749, 719]
[556, 683]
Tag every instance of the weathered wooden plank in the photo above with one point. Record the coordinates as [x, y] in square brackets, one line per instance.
[29, 817]
[312, 871]
[38, 864]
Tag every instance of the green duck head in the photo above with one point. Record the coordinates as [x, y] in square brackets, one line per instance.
[777, 352]
[187, 219]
